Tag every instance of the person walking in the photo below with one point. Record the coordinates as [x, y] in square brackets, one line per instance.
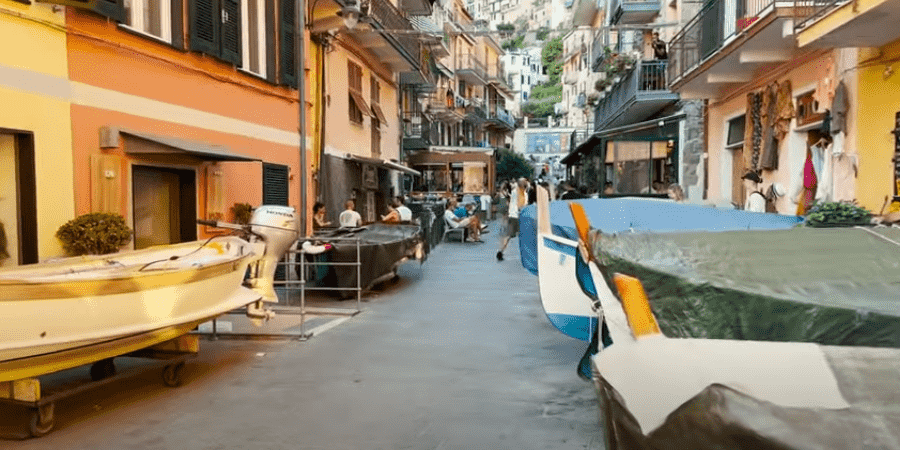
[518, 199]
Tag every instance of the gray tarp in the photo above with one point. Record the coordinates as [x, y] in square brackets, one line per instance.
[830, 286]
[721, 418]
[381, 248]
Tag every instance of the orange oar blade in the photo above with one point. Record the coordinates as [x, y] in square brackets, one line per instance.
[581, 221]
[637, 306]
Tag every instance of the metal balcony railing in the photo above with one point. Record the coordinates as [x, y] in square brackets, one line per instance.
[504, 116]
[389, 17]
[644, 77]
[415, 125]
[470, 61]
[706, 33]
[806, 12]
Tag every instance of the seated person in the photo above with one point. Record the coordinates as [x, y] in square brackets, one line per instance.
[350, 218]
[405, 213]
[319, 220]
[461, 211]
[393, 215]
[471, 223]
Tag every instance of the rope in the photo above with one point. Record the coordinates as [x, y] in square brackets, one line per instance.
[879, 235]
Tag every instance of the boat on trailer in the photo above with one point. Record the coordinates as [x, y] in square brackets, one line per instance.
[88, 310]
[699, 393]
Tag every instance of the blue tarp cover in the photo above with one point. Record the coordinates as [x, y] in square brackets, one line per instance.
[616, 215]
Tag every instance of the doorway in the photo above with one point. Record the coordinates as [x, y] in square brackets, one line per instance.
[165, 206]
[18, 200]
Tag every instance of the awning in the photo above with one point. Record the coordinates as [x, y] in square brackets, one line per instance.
[361, 103]
[582, 148]
[383, 163]
[153, 144]
[641, 130]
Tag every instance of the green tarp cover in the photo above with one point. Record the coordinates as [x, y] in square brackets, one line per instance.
[830, 286]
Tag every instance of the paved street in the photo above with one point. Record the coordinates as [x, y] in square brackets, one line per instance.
[456, 355]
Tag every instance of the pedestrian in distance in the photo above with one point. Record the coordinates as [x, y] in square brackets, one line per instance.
[756, 201]
[349, 218]
[518, 199]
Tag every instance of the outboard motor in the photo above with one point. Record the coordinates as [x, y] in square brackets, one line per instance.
[279, 228]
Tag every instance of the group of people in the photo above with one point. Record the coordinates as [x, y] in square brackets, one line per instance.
[350, 218]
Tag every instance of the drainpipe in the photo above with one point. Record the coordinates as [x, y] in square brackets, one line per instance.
[299, 42]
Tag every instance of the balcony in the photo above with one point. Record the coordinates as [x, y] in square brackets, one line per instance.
[470, 69]
[640, 93]
[500, 119]
[417, 131]
[416, 7]
[633, 11]
[496, 76]
[726, 42]
[474, 111]
[443, 106]
[843, 23]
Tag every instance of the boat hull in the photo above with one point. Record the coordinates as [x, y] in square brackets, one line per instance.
[114, 308]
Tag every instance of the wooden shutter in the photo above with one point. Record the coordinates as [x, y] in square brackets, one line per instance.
[231, 32]
[205, 26]
[177, 24]
[113, 9]
[270, 42]
[286, 52]
[275, 184]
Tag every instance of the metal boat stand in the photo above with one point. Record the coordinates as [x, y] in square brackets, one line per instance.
[169, 355]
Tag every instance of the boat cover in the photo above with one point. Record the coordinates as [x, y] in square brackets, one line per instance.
[723, 418]
[614, 215]
[382, 247]
[835, 286]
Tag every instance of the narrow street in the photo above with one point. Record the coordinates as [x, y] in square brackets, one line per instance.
[456, 355]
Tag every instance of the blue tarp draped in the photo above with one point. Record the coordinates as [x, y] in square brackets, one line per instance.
[616, 215]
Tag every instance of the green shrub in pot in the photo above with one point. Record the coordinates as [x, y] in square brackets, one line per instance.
[94, 234]
[837, 214]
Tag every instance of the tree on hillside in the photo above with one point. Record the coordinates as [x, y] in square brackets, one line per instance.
[512, 165]
[552, 58]
[506, 27]
[545, 95]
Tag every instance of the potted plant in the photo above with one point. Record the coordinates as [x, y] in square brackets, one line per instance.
[94, 234]
[837, 214]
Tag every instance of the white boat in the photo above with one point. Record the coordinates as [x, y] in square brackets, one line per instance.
[659, 392]
[80, 310]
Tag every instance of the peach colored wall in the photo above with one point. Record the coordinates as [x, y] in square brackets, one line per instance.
[344, 136]
[792, 149]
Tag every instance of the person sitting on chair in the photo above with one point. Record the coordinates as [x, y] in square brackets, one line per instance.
[350, 218]
[393, 216]
[405, 213]
[471, 223]
[319, 220]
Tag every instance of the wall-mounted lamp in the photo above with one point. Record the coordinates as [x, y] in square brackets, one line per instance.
[350, 13]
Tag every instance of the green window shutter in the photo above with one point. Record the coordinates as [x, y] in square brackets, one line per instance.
[286, 34]
[270, 42]
[205, 19]
[275, 184]
[113, 9]
[231, 31]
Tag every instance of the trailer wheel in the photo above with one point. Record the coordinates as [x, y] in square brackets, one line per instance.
[173, 374]
[102, 369]
[42, 420]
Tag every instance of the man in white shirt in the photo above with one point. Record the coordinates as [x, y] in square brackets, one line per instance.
[470, 222]
[518, 199]
[349, 218]
[755, 202]
[405, 213]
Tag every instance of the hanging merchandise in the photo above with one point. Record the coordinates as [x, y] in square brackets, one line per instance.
[824, 92]
[785, 109]
[896, 158]
[839, 107]
[752, 131]
[748, 133]
[808, 193]
[769, 158]
[823, 154]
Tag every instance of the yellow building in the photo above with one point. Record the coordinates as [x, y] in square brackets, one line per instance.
[870, 25]
[36, 171]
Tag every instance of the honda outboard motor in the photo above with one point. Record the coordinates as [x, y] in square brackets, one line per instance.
[279, 228]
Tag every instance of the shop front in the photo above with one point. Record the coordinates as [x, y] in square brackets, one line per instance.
[446, 171]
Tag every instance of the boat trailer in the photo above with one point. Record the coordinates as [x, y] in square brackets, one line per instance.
[170, 355]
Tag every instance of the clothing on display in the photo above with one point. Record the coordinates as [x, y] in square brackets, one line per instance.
[824, 93]
[769, 158]
[839, 107]
[807, 196]
[845, 165]
[785, 109]
[753, 130]
[823, 159]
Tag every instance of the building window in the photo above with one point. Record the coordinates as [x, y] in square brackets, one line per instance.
[376, 91]
[153, 17]
[357, 105]
[253, 13]
[734, 142]
[216, 29]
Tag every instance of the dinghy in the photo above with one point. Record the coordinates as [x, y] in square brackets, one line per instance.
[76, 311]
[660, 392]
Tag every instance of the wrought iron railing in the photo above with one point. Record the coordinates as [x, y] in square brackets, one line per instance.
[502, 115]
[470, 61]
[716, 23]
[806, 12]
[389, 17]
[415, 125]
[644, 77]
